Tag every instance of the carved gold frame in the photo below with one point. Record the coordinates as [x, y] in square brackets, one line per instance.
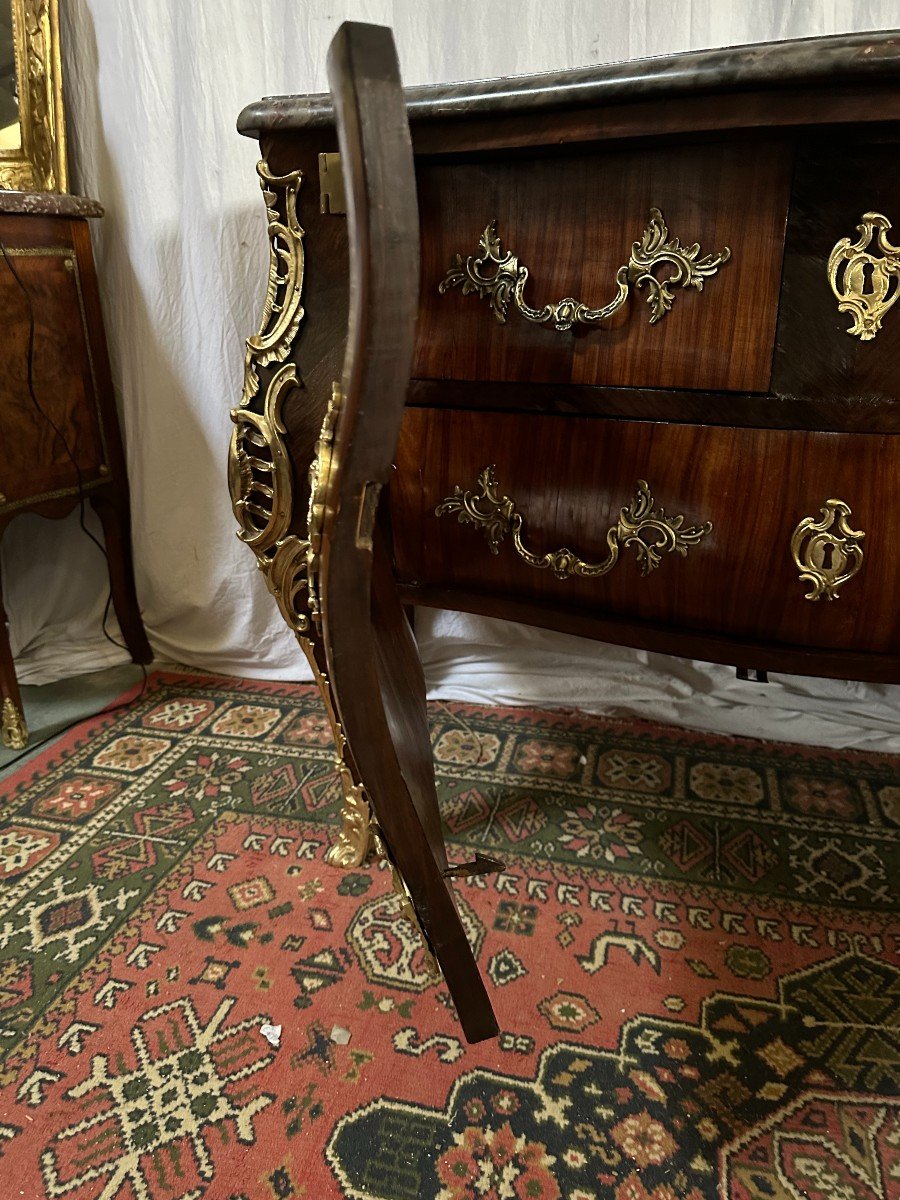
[39, 163]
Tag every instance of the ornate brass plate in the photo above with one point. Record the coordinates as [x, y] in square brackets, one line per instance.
[641, 525]
[654, 250]
[866, 285]
[828, 552]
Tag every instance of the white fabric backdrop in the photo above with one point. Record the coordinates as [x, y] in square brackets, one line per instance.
[153, 89]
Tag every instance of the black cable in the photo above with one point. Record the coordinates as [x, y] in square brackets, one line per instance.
[42, 412]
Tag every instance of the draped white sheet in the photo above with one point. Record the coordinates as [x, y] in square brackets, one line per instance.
[153, 89]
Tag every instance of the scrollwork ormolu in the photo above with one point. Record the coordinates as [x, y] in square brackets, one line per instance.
[282, 308]
[641, 525]
[654, 249]
[13, 730]
[319, 473]
[259, 472]
[827, 553]
[261, 479]
[865, 285]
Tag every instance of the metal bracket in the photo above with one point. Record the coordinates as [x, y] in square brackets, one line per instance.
[332, 198]
[752, 675]
[481, 866]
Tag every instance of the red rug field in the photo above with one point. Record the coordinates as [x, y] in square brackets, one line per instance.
[693, 951]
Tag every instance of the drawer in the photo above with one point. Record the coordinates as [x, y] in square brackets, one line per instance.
[572, 221]
[570, 477]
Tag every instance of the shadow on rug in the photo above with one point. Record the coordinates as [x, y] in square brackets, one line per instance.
[692, 952]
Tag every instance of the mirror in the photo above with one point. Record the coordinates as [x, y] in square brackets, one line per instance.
[32, 130]
[10, 133]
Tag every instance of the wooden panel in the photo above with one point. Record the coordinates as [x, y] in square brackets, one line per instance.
[837, 181]
[34, 460]
[754, 409]
[570, 476]
[572, 220]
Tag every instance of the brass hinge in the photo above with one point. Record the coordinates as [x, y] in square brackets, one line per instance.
[331, 184]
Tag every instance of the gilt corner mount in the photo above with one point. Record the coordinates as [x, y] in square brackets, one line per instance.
[13, 730]
[688, 268]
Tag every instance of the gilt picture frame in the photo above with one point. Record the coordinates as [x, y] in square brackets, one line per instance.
[38, 162]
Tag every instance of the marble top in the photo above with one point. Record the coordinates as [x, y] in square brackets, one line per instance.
[849, 58]
[49, 204]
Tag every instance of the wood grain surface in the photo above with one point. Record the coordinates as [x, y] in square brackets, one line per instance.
[572, 221]
[570, 476]
[34, 458]
[837, 181]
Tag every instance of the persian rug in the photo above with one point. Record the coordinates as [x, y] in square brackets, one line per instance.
[693, 951]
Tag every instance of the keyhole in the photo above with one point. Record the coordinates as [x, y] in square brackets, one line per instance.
[868, 271]
[825, 555]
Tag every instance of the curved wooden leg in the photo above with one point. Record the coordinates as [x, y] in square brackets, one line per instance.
[112, 509]
[13, 730]
[373, 664]
[378, 685]
[317, 558]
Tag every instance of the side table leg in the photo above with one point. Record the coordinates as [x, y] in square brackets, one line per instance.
[113, 511]
[13, 730]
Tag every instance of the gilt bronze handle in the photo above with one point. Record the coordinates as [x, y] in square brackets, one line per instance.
[654, 249]
[640, 525]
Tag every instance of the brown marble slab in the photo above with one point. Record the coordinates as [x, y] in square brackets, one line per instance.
[49, 204]
[803, 62]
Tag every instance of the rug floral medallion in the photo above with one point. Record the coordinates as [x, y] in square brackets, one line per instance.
[693, 952]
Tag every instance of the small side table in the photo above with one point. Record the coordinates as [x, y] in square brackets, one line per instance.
[46, 237]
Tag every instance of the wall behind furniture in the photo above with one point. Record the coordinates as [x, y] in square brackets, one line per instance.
[153, 89]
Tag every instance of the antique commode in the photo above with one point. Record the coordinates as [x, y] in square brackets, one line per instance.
[619, 341]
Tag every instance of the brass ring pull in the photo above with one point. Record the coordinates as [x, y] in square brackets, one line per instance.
[653, 250]
[640, 525]
[827, 557]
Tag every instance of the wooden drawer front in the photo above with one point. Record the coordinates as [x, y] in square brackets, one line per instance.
[571, 476]
[816, 354]
[572, 221]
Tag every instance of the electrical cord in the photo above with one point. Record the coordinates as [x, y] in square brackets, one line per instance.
[42, 412]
